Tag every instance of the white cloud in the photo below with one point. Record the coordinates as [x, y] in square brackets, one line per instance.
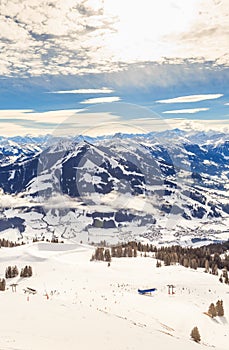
[30, 115]
[84, 36]
[58, 123]
[13, 201]
[191, 98]
[103, 90]
[183, 124]
[101, 100]
[94, 123]
[188, 110]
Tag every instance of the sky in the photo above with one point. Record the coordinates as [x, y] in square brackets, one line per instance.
[99, 66]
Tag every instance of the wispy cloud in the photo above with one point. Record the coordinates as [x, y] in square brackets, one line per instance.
[58, 123]
[101, 100]
[94, 123]
[191, 98]
[188, 110]
[103, 90]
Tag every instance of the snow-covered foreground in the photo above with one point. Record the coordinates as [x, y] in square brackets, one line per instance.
[91, 305]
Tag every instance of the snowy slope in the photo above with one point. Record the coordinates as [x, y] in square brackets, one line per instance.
[11, 151]
[92, 305]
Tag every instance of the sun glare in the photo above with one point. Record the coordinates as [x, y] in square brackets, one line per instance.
[147, 25]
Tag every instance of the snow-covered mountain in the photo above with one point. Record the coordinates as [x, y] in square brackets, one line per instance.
[171, 181]
[12, 151]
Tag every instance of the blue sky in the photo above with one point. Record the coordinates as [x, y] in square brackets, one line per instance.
[67, 64]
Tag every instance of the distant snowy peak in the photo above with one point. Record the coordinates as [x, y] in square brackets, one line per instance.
[173, 136]
[11, 151]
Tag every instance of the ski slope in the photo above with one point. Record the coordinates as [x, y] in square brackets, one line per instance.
[81, 304]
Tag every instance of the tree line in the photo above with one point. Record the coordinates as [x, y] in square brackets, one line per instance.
[210, 257]
[8, 244]
[118, 251]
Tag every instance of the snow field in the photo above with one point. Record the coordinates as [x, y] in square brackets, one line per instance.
[92, 305]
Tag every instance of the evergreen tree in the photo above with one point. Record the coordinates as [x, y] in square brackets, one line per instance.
[107, 255]
[119, 251]
[167, 260]
[186, 262]
[206, 266]
[99, 254]
[215, 269]
[135, 253]
[129, 252]
[113, 252]
[139, 247]
[15, 271]
[2, 284]
[225, 275]
[30, 272]
[219, 308]
[8, 272]
[212, 310]
[193, 264]
[26, 271]
[195, 334]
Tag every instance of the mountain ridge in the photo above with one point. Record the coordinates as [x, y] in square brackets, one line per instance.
[141, 183]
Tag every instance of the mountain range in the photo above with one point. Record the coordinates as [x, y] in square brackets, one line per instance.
[163, 186]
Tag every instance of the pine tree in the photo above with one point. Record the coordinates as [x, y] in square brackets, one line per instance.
[99, 254]
[167, 260]
[195, 335]
[212, 310]
[107, 255]
[14, 271]
[8, 272]
[113, 252]
[186, 262]
[206, 266]
[30, 271]
[2, 284]
[219, 308]
[225, 275]
[193, 264]
[129, 252]
[135, 253]
[215, 269]
[26, 271]
[119, 251]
